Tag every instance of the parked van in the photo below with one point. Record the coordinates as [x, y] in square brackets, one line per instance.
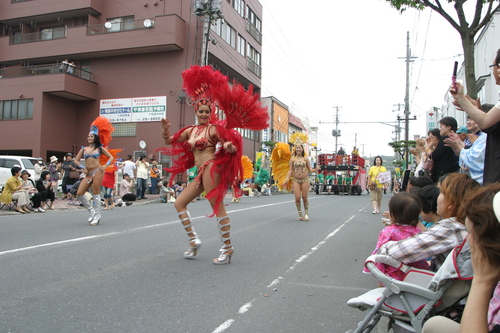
[7, 162]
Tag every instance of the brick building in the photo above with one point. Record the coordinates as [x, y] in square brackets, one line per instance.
[123, 55]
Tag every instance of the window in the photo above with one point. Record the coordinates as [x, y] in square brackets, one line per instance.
[242, 45]
[253, 55]
[217, 27]
[248, 134]
[254, 19]
[121, 23]
[16, 109]
[239, 6]
[52, 33]
[124, 129]
[85, 70]
[229, 35]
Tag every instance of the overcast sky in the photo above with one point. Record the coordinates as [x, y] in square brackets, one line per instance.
[328, 53]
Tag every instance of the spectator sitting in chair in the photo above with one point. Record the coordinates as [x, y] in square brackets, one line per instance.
[45, 187]
[29, 186]
[247, 188]
[167, 194]
[74, 189]
[13, 191]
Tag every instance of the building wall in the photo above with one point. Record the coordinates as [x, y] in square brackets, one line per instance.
[126, 64]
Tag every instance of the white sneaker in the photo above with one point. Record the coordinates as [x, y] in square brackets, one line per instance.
[41, 210]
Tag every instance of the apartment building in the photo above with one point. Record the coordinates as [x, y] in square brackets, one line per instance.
[63, 63]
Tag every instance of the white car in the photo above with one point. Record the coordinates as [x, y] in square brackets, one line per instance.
[8, 161]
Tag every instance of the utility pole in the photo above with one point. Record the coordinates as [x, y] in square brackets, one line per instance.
[208, 11]
[407, 94]
[398, 128]
[336, 133]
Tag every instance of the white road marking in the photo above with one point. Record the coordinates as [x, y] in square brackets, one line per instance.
[81, 239]
[224, 326]
[246, 306]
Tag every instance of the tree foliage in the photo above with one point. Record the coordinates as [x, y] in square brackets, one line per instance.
[399, 146]
[467, 29]
[267, 146]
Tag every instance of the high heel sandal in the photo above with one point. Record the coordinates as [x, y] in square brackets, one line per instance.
[300, 212]
[191, 253]
[226, 251]
[306, 211]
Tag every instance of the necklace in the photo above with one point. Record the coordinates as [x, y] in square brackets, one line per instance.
[200, 128]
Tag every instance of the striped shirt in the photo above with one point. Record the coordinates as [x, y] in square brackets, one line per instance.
[435, 242]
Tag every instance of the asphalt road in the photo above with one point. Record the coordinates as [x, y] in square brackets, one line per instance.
[128, 274]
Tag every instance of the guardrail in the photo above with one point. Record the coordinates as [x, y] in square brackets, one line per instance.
[127, 25]
[57, 68]
[56, 33]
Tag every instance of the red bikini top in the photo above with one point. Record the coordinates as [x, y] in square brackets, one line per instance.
[201, 143]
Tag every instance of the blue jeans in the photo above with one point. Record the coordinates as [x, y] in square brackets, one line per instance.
[154, 184]
[141, 187]
[108, 192]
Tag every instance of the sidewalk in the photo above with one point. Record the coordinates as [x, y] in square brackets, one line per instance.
[62, 205]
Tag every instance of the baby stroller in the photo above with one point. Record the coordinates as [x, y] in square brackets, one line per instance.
[410, 302]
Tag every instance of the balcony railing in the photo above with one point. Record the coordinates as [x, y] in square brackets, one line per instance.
[45, 69]
[14, 1]
[252, 29]
[254, 67]
[56, 33]
[126, 25]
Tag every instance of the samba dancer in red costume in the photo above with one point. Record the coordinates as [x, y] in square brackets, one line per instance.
[97, 159]
[196, 145]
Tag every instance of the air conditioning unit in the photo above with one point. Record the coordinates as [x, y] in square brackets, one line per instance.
[198, 7]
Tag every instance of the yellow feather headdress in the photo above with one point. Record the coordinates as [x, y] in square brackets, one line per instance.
[299, 138]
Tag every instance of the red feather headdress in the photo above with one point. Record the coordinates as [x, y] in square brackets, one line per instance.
[242, 108]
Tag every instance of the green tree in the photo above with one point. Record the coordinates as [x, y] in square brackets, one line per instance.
[267, 146]
[399, 147]
[484, 11]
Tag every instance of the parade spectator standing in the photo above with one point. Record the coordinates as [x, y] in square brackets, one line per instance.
[154, 175]
[462, 133]
[128, 167]
[489, 123]
[471, 160]
[341, 151]
[108, 183]
[142, 166]
[39, 167]
[54, 169]
[444, 159]
[473, 128]
[68, 173]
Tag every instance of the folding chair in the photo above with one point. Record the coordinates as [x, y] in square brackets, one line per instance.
[72, 199]
[10, 206]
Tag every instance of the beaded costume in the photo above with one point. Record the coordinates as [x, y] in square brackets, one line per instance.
[241, 108]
